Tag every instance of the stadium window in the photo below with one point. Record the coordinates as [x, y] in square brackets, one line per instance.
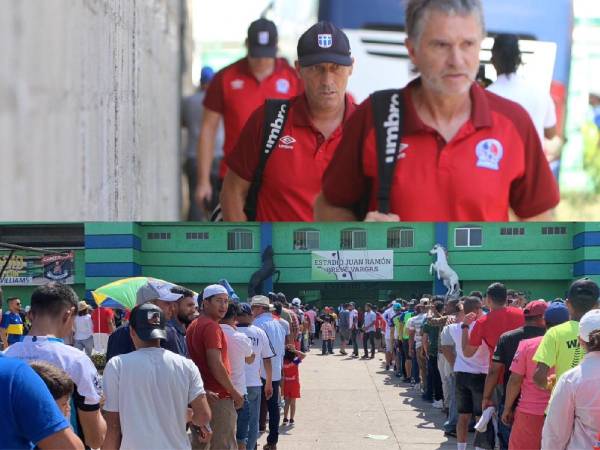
[514, 231]
[468, 237]
[159, 236]
[353, 239]
[239, 240]
[306, 240]
[400, 238]
[197, 236]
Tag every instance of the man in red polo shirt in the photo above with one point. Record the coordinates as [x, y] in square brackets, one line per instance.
[207, 347]
[464, 154]
[489, 328]
[292, 176]
[235, 92]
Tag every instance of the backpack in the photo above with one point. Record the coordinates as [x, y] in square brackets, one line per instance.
[388, 111]
[276, 113]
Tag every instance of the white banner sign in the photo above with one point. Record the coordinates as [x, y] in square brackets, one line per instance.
[349, 265]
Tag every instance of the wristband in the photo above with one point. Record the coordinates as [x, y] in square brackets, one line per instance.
[464, 326]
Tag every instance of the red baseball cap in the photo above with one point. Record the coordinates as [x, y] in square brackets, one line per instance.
[535, 308]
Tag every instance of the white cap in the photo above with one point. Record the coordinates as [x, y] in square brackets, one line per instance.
[213, 289]
[156, 290]
[296, 301]
[260, 300]
[589, 323]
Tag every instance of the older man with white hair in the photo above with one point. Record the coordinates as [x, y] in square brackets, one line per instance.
[442, 148]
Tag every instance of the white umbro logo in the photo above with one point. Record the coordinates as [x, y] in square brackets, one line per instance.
[237, 84]
[287, 142]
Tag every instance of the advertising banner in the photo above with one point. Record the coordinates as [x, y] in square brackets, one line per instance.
[28, 270]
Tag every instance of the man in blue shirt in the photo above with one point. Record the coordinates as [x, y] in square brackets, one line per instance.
[30, 415]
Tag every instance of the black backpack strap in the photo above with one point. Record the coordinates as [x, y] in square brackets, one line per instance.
[387, 119]
[276, 113]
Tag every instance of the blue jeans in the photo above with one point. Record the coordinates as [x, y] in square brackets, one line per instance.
[247, 422]
[273, 409]
[503, 430]
[450, 424]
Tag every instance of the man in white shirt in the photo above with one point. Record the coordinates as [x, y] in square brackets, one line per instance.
[470, 373]
[388, 314]
[247, 424]
[506, 58]
[239, 349]
[369, 331]
[415, 345]
[261, 310]
[354, 331]
[148, 391]
[53, 310]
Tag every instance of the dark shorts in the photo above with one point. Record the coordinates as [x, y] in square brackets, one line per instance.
[469, 392]
[405, 350]
[344, 334]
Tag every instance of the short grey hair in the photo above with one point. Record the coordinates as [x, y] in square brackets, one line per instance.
[416, 10]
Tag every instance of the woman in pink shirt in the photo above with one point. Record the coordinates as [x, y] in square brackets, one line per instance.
[528, 420]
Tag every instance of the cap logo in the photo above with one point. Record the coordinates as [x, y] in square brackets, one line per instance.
[489, 153]
[263, 37]
[153, 318]
[325, 40]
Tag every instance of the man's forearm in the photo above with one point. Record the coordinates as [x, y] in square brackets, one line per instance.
[268, 370]
[220, 373]
[233, 197]
[491, 380]
[206, 152]
[513, 388]
[112, 441]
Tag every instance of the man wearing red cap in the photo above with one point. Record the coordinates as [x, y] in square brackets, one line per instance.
[235, 92]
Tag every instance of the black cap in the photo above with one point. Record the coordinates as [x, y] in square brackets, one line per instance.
[148, 321]
[584, 288]
[324, 43]
[262, 39]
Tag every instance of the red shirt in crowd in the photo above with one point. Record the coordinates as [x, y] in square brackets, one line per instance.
[490, 327]
[204, 334]
[102, 317]
[292, 177]
[380, 322]
[235, 93]
[494, 162]
[291, 379]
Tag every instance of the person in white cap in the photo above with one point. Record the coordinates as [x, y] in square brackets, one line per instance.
[158, 293]
[572, 420]
[207, 346]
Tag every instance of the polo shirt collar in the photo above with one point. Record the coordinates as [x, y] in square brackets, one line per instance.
[481, 116]
[301, 114]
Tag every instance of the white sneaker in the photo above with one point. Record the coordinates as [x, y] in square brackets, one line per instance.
[438, 404]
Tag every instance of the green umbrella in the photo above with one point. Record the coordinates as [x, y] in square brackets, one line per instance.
[122, 293]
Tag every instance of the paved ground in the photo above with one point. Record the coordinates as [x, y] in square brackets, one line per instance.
[345, 400]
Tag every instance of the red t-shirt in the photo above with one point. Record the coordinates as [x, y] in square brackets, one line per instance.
[292, 177]
[204, 334]
[101, 317]
[495, 162]
[490, 327]
[235, 93]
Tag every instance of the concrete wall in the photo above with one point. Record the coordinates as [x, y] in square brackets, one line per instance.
[89, 109]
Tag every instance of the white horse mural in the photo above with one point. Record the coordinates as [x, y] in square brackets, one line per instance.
[444, 272]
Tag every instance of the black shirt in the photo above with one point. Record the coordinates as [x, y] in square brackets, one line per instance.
[508, 344]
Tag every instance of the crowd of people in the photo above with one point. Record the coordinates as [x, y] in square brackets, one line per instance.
[297, 148]
[521, 375]
[214, 374]
[173, 373]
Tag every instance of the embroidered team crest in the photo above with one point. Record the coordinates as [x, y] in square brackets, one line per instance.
[287, 142]
[237, 84]
[324, 40]
[263, 37]
[489, 153]
[282, 86]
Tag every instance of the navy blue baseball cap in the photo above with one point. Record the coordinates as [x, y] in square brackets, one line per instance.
[324, 43]
[245, 309]
[206, 74]
[262, 39]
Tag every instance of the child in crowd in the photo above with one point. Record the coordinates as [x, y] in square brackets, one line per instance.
[59, 384]
[291, 383]
[327, 335]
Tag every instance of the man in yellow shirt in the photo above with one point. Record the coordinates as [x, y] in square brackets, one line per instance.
[560, 348]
